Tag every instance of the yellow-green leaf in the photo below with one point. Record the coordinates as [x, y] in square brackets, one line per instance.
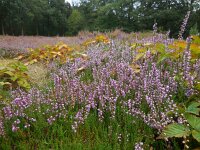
[175, 130]
[193, 120]
[196, 135]
[193, 108]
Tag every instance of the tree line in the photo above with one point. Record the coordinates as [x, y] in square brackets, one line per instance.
[58, 17]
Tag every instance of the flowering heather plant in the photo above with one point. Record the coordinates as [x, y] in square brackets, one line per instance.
[22, 43]
[183, 26]
[113, 93]
[155, 28]
[2, 131]
[156, 89]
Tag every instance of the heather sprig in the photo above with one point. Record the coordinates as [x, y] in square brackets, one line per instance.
[183, 26]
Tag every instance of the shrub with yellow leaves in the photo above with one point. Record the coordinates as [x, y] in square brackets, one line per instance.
[180, 45]
[98, 39]
[60, 52]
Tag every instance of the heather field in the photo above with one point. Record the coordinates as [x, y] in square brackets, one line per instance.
[100, 91]
[15, 45]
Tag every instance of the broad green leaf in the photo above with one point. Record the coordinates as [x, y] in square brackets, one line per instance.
[23, 67]
[196, 135]
[9, 73]
[193, 120]
[162, 58]
[5, 83]
[193, 108]
[160, 48]
[197, 87]
[14, 78]
[24, 84]
[175, 130]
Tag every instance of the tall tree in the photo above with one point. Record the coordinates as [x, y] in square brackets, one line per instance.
[57, 17]
[75, 22]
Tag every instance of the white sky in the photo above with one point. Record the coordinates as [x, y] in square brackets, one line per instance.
[70, 1]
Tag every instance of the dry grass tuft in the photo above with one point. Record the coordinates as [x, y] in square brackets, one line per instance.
[38, 74]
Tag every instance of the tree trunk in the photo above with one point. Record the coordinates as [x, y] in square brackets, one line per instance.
[2, 27]
[22, 31]
[37, 30]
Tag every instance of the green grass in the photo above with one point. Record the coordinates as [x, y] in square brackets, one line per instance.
[91, 135]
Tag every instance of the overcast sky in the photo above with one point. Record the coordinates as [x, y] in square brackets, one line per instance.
[70, 1]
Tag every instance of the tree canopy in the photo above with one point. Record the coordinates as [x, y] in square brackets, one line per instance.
[58, 17]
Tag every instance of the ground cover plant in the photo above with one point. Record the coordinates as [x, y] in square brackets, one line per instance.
[107, 92]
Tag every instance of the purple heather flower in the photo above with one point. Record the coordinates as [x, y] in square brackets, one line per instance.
[183, 26]
[155, 28]
[2, 131]
[139, 146]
